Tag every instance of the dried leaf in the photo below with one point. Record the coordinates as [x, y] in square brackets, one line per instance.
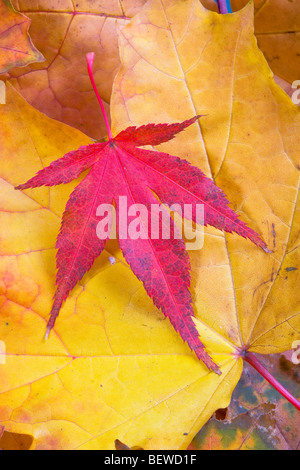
[248, 144]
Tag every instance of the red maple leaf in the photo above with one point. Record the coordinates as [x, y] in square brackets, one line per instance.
[119, 170]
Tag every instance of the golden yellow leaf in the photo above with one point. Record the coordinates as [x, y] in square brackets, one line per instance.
[248, 142]
[16, 48]
[14, 441]
[277, 29]
[256, 412]
[113, 367]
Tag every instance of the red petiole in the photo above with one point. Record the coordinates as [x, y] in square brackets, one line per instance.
[90, 60]
[254, 362]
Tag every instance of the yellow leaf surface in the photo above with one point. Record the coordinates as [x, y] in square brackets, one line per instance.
[16, 48]
[65, 30]
[247, 141]
[277, 29]
[113, 367]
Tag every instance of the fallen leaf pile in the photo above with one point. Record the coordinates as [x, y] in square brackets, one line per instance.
[113, 368]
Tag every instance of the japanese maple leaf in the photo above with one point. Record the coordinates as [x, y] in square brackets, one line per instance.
[120, 168]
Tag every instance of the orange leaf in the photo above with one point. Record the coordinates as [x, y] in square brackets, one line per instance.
[277, 29]
[65, 32]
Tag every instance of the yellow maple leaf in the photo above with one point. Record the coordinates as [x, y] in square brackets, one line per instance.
[65, 32]
[113, 368]
[16, 48]
[247, 142]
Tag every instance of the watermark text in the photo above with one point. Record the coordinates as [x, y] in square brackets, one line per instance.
[296, 354]
[154, 221]
[296, 94]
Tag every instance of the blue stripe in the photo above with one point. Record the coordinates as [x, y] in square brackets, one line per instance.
[228, 5]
